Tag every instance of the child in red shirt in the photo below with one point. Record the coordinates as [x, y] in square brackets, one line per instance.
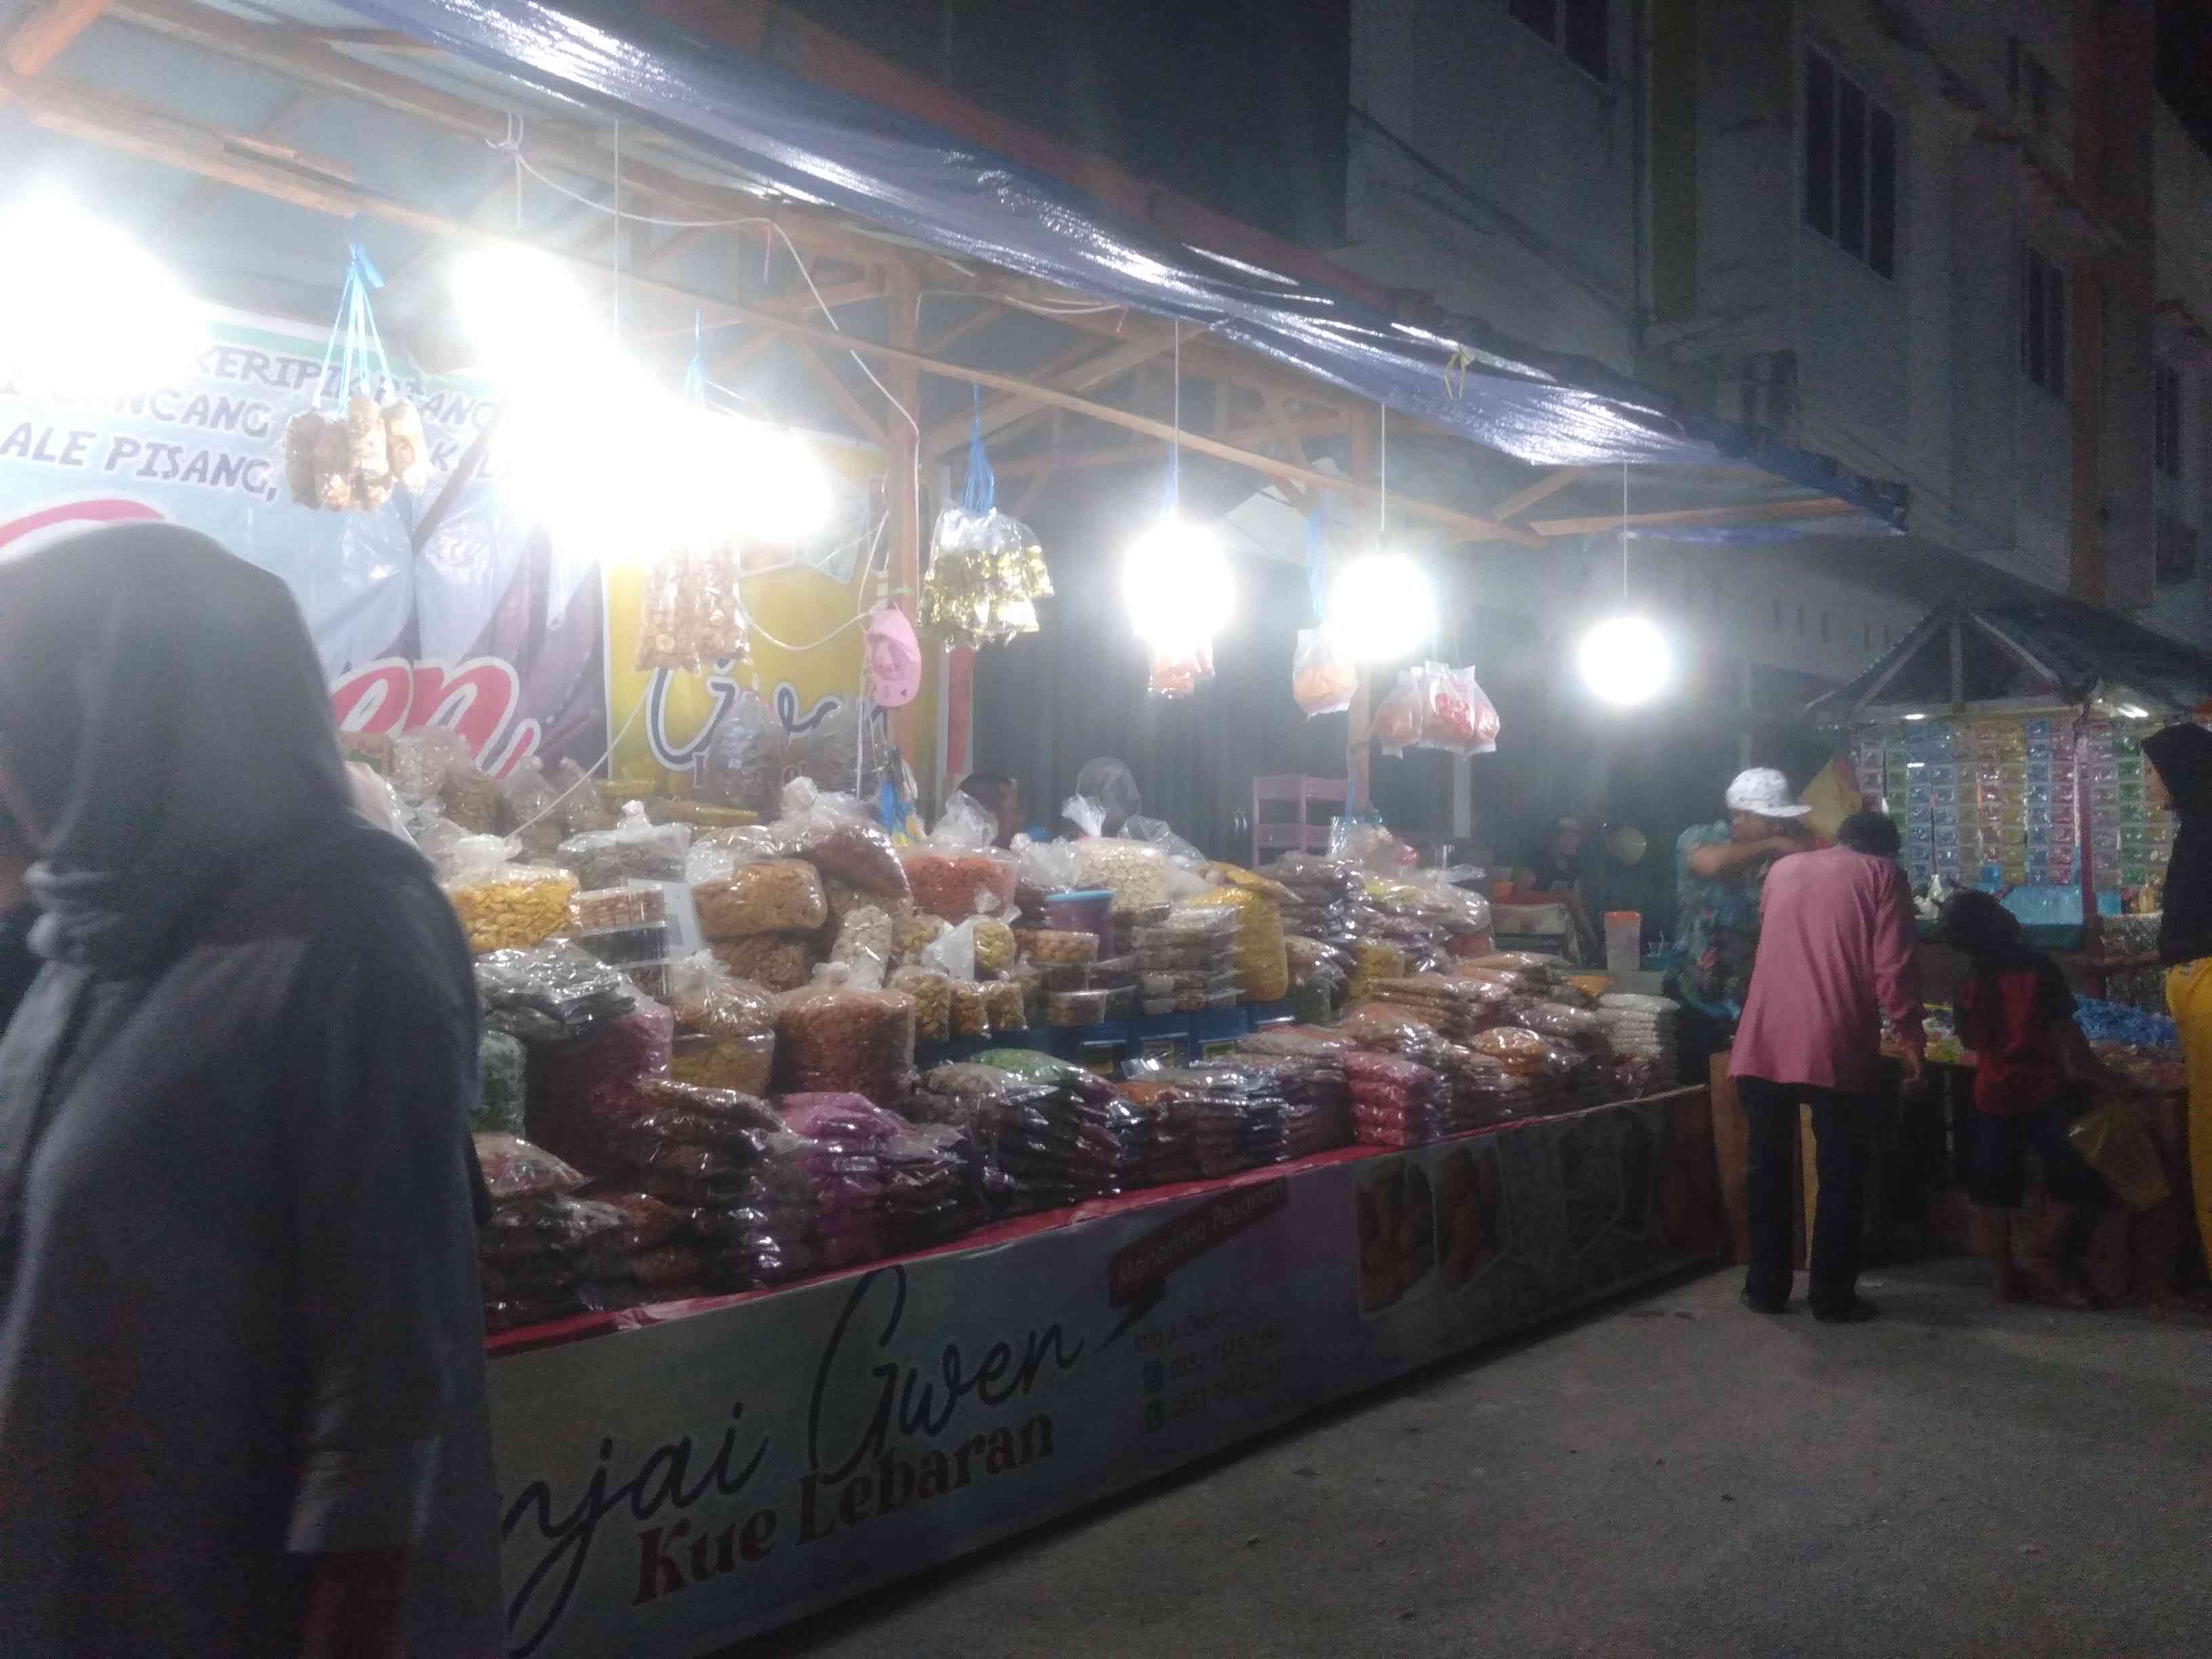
[2033, 1063]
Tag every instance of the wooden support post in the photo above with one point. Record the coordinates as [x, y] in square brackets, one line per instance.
[902, 292]
[1358, 753]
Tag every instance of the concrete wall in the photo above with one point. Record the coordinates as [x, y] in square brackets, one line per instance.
[2182, 184]
[1914, 376]
[1539, 237]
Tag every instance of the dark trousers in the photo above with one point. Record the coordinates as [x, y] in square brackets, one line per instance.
[1842, 1131]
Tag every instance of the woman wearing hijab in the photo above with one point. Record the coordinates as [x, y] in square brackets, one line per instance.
[2181, 766]
[242, 1398]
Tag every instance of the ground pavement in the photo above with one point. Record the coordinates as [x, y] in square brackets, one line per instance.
[1673, 1476]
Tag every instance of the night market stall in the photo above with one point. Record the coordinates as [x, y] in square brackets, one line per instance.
[2005, 741]
[870, 1181]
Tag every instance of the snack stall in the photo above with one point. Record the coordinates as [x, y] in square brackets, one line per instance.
[2006, 742]
[785, 1302]
[864, 1190]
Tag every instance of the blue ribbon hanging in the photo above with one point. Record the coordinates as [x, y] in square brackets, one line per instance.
[1317, 562]
[980, 494]
[354, 340]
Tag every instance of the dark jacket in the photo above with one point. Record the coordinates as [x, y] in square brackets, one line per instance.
[2183, 756]
[18, 965]
[239, 1320]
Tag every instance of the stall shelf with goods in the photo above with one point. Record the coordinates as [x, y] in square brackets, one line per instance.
[2007, 744]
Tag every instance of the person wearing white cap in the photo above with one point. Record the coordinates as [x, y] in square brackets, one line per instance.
[1719, 870]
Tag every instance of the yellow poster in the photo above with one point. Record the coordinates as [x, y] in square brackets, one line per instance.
[809, 617]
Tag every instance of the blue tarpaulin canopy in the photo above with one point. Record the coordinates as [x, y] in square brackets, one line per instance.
[921, 182]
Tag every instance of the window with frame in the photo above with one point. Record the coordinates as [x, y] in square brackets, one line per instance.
[1582, 29]
[1850, 165]
[2043, 320]
[2166, 423]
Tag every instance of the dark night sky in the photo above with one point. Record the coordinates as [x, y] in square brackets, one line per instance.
[2184, 64]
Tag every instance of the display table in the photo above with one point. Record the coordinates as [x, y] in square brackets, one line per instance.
[677, 1476]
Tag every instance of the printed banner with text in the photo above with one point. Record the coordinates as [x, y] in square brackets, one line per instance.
[670, 1487]
[490, 627]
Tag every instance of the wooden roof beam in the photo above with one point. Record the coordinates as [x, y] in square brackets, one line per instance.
[1819, 507]
[46, 34]
[134, 128]
[1522, 500]
[562, 144]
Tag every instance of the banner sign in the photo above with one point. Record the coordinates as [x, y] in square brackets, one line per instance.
[669, 1488]
[489, 628]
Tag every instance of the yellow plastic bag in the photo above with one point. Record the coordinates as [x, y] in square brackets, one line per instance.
[1263, 966]
[2115, 1140]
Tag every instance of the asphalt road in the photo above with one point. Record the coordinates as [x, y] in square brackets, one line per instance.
[1674, 1475]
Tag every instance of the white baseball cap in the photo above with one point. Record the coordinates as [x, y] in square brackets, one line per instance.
[1765, 792]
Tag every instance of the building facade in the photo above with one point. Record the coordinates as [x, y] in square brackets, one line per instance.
[1939, 242]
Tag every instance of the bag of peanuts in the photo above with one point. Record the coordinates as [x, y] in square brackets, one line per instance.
[503, 905]
[636, 848]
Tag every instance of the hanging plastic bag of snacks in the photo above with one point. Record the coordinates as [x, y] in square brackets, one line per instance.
[1456, 715]
[1322, 678]
[349, 454]
[690, 617]
[1396, 722]
[503, 905]
[743, 764]
[1174, 670]
[986, 570]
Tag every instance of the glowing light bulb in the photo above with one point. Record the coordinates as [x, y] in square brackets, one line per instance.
[1380, 607]
[1625, 660]
[85, 311]
[1174, 580]
[524, 313]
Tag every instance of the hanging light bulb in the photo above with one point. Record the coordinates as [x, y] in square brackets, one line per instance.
[527, 315]
[1626, 661]
[85, 310]
[1175, 580]
[1381, 607]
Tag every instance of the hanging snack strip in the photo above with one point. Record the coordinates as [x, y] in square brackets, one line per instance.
[351, 457]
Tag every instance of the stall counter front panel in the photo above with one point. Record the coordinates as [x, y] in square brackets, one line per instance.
[690, 1477]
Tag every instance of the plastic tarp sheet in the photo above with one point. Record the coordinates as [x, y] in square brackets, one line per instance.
[921, 182]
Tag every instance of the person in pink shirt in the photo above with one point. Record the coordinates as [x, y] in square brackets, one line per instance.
[1836, 952]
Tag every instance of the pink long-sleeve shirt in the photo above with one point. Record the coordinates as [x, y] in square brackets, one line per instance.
[1836, 952]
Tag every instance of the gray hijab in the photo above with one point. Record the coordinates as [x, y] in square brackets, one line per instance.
[165, 723]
